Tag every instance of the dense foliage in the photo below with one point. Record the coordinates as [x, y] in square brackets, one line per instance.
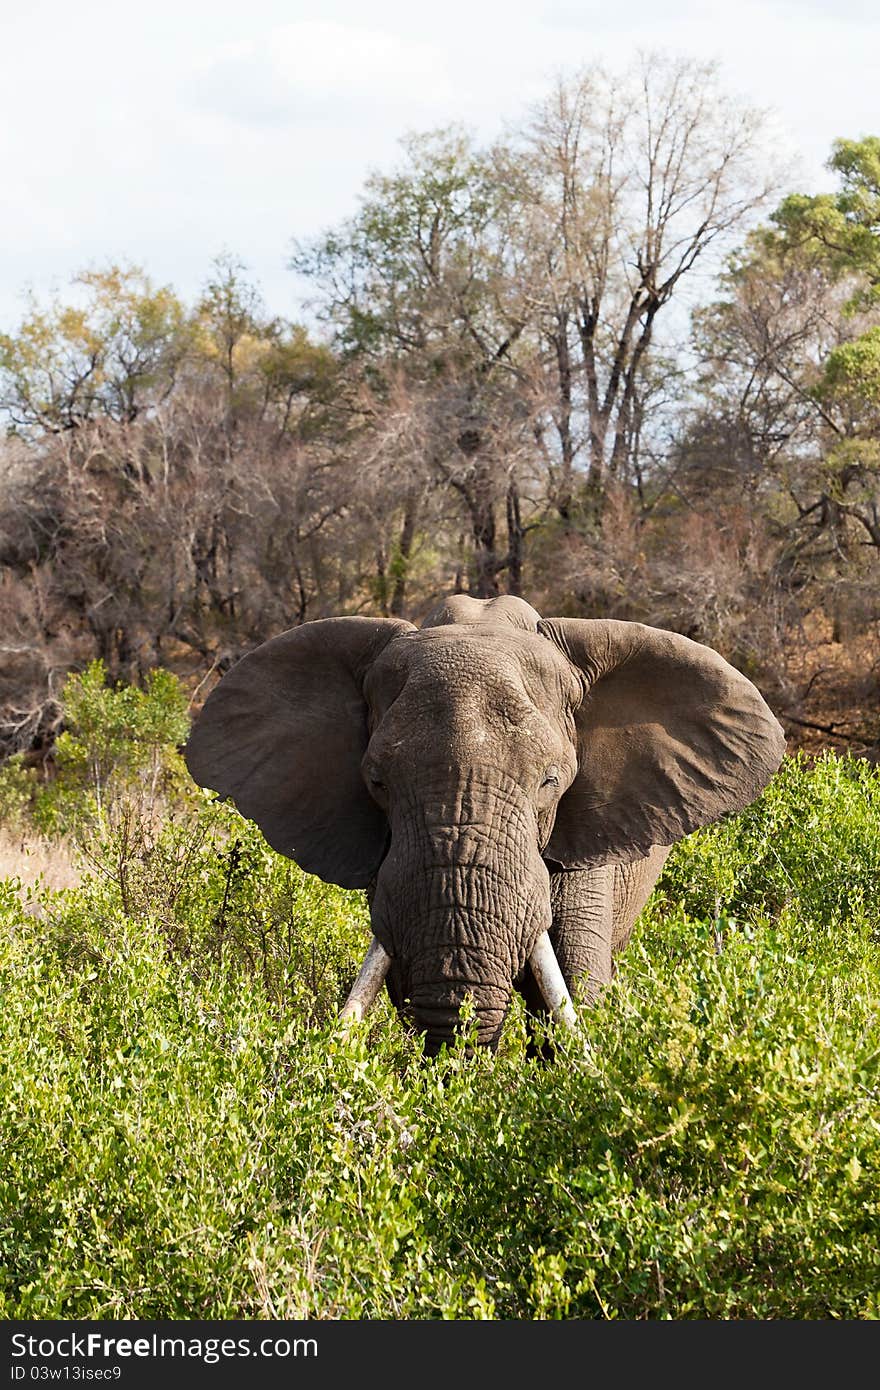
[183, 1133]
[571, 363]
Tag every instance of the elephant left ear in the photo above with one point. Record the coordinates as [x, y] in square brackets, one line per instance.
[669, 737]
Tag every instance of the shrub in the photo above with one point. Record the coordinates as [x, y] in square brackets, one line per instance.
[183, 1134]
[117, 753]
[811, 842]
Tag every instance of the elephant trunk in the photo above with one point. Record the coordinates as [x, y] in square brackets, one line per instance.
[454, 959]
[460, 902]
[439, 1021]
[450, 991]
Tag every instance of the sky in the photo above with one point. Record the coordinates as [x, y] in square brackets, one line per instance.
[165, 133]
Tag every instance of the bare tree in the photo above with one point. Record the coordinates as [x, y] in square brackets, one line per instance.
[628, 182]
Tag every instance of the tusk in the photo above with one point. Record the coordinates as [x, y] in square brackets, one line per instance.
[365, 990]
[545, 968]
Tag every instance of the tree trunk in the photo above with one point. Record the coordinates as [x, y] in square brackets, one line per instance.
[485, 556]
[622, 431]
[515, 539]
[565, 490]
[381, 580]
[402, 559]
[477, 492]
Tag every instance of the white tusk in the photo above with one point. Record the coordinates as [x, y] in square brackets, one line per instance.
[365, 990]
[545, 968]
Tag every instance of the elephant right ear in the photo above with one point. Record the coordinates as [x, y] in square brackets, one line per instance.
[283, 735]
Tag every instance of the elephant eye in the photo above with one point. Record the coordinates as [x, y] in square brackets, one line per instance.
[551, 777]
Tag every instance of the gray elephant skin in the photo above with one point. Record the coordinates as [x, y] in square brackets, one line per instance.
[488, 777]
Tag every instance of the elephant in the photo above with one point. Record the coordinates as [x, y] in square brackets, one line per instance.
[505, 787]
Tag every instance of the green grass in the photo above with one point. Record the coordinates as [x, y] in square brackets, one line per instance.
[182, 1134]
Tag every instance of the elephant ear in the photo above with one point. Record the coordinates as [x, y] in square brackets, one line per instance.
[283, 735]
[669, 737]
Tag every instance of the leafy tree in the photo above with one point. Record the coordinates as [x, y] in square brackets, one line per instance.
[842, 230]
[267, 366]
[417, 273]
[417, 287]
[106, 355]
[789, 398]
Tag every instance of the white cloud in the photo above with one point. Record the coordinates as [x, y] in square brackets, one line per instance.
[318, 68]
[163, 132]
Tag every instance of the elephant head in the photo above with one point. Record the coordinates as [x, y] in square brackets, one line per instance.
[451, 769]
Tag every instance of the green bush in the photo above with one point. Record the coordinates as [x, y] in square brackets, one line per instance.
[19, 787]
[116, 753]
[183, 1134]
[811, 842]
